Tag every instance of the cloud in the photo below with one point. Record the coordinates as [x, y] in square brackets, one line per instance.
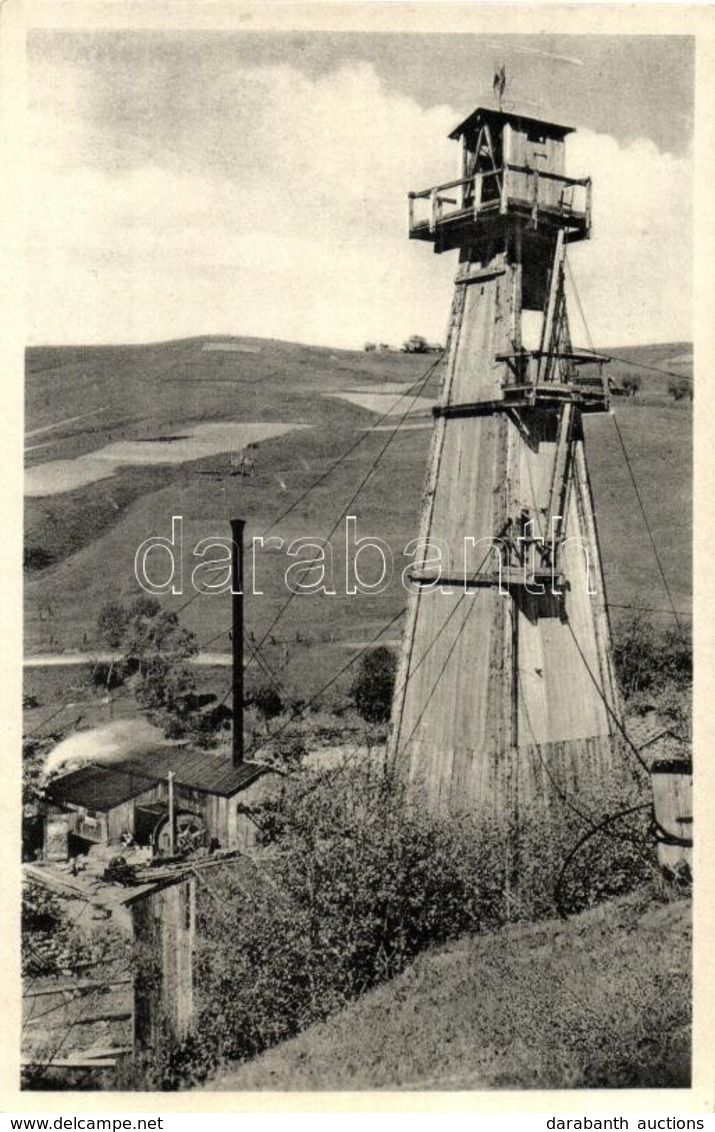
[634, 275]
[275, 204]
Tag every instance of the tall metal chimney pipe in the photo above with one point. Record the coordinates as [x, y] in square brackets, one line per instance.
[237, 527]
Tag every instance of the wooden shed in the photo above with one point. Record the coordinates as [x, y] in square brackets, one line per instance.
[116, 1025]
[112, 802]
[164, 931]
[671, 776]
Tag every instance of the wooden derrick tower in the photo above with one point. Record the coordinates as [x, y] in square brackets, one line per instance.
[505, 684]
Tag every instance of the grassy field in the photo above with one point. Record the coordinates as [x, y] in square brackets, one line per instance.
[80, 400]
[599, 1001]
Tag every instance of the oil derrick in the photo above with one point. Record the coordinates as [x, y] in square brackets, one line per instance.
[505, 687]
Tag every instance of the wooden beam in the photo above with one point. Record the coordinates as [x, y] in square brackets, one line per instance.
[508, 576]
[466, 277]
[80, 985]
[555, 289]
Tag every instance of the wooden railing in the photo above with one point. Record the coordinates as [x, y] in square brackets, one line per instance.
[496, 190]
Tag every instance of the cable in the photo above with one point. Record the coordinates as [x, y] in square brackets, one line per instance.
[422, 381]
[572, 278]
[639, 365]
[439, 677]
[199, 593]
[447, 620]
[345, 510]
[341, 459]
[645, 520]
[561, 793]
[43, 724]
[614, 715]
[615, 357]
[607, 821]
[299, 712]
[648, 609]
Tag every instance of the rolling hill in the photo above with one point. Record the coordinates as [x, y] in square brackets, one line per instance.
[189, 407]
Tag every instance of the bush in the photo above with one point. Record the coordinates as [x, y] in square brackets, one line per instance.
[267, 700]
[649, 658]
[679, 388]
[374, 685]
[106, 675]
[37, 558]
[357, 882]
[112, 624]
[631, 384]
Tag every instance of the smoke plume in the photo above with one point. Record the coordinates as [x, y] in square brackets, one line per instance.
[106, 744]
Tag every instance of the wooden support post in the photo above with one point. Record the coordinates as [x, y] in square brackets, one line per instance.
[432, 210]
[535, 199]
[503, 194]
[172, 819]
[561, 473]
[237, 630]
[515, 685]
[555, 287]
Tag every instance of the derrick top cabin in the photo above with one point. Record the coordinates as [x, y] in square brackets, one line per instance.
[511, 185]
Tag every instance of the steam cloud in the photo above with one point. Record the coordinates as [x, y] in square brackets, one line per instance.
[106, 744]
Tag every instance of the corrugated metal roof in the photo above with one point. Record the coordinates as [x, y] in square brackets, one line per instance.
[99, 788]
[102, 787]
[200, 770]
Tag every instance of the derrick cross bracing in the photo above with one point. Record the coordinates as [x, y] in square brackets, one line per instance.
[505, 685]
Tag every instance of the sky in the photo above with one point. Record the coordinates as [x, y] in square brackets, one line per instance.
[186, 183]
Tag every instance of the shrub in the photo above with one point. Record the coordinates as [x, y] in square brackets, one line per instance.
[37, 558]
[374, 684]
[359, 879]
[106, 675]
[156, 652]
[631, 384]
[647, 657]
[679, 388]
[268, 702]
[112, 624]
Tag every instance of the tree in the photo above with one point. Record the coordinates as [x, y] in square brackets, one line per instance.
[631, 384]
[374, 685]
[112, 624]
[679, 388]
[161, 649]
[416, 344]
[156, 653]
[268, 702]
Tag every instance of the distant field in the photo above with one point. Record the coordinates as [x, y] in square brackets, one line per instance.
[80, 401]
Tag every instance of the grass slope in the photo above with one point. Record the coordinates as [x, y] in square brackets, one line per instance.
[599, 1001]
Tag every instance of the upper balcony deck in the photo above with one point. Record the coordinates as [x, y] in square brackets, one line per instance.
[447, 214]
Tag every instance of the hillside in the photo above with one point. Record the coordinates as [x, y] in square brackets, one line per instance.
[139, 434]
[599, 1001]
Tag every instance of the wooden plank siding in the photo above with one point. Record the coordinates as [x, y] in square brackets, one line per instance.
[493, 685]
